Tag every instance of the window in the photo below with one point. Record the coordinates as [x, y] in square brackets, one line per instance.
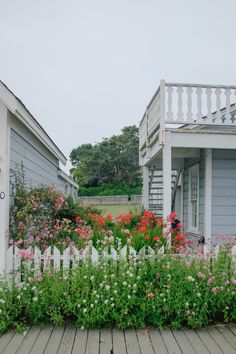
[193, 204]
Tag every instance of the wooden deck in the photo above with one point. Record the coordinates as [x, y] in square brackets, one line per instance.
[68, 339]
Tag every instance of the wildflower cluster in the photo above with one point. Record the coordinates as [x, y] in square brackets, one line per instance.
[165, 291]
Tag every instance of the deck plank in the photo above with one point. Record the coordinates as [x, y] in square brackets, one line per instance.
[29, 340]
[54, 340]
[119, 346]
[232, 327]
[157, 342]
[228, 335]
[67, 340]
[170, 341]
[221, 341]
[93, 342]
[14, 344]
[209, 342]
[42, 340]
[145, 343]
[5, 339]
[80, 342]
[106, 341]
[131, 340]
[196, 341]
[183, 342]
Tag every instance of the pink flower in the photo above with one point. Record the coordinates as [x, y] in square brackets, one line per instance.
[210, 280]
[201, 275]
[214, 290]
[233, 281]
[150, 296]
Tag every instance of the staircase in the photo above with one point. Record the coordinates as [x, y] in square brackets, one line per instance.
[156, 189]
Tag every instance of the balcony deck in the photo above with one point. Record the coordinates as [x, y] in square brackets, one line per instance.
[188, 108]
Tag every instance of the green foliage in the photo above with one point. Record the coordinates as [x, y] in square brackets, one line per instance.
[113, 161]
[161, 291]
[109, 189]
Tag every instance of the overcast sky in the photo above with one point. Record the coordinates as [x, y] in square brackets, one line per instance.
[87, 68]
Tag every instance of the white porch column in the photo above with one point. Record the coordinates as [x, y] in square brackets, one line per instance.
[145, 195]
[208, 195]
[167, 175]
[4, 185]
[167, 181]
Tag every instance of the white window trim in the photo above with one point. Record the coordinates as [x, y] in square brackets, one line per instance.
[193, 170]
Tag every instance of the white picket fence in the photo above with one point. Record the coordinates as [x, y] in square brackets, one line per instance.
[37, 261]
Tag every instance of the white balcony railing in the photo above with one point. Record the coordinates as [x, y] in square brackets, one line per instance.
[175, 105]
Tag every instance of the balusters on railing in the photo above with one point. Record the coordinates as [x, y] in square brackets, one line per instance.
[180, 102]
[218, 112]
[209, 104]
[189, 103]
[199, 102]
[227, 110]
[169, 103]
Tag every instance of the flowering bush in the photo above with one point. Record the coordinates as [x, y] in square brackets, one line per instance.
[44, 217]
[166, 291]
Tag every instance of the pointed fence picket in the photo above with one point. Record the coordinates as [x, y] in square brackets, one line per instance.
[37, 261]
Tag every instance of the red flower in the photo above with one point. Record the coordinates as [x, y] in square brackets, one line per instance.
[156, 238]
[108, 217]
[172, 215]
[146, 237]
[78, 218]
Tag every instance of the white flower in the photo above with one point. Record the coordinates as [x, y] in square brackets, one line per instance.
[135, 286]
[84, 310]
[34, 288]
[97, 296]
[164, 300]
[92, 277]
[2, 301]
[106, 301]
[115, 284]
[161, 295]
[92, 305]
[115, 291]
[78, 305]
[129, 286]
[0, 311]
[190, 278]
[85, 277]
[96, 301]
[82, 328]
[199, 294]
[187, 304]
[101, 285]
[131, 275]
[138, 277]
[124, 283]
[129, 297]
[107, 287]
[35, 298]
[105, 276]
[1, 289]
[18, 297]
[112, 305]
[111, 298]
[84, 301]
[24, 288]
[113, 275]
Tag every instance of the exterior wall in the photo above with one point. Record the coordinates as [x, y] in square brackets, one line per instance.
[224, 192]
[30, 156]
[188, 163]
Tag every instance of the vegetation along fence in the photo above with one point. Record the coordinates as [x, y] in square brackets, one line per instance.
[116, 199]
[37, 261]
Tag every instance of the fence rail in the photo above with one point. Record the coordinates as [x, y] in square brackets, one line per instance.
[37, 261]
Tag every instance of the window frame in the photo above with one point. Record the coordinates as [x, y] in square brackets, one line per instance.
[193, 171]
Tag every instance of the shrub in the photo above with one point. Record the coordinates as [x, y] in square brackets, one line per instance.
[167, 290]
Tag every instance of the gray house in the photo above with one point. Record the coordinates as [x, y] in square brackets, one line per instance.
[24, 145]
[188, 156]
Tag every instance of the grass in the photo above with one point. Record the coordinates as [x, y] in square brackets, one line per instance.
[117, 209]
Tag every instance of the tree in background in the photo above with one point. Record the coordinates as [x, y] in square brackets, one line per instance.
[113, 162]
